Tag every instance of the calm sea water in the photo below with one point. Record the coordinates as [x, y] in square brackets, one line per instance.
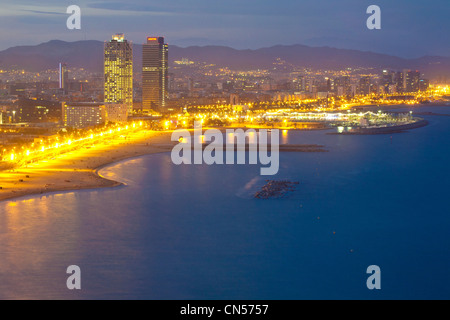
[195, 232]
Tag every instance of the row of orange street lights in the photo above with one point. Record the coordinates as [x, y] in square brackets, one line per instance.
[32, 154]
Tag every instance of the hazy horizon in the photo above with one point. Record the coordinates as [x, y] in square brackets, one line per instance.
[240, 49]
[410, 29]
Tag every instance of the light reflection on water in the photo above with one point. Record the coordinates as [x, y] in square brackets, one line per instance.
[192, 232]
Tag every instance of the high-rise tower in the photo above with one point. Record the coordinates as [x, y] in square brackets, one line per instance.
[154, 74]
[63, 77]
[119, 71]
[412, 81]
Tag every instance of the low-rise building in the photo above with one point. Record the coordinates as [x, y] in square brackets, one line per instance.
[116, 112]
[87, 114]
[83, 114]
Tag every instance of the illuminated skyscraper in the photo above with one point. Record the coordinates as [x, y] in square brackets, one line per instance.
[63, 77]
[119, 71]
[154, 74]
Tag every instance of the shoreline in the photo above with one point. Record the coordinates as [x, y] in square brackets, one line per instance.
[79, 169]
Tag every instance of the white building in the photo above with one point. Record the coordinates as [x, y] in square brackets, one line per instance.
[83, 114]
[87, 114]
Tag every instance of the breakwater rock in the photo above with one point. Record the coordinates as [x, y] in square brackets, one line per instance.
[275, 189]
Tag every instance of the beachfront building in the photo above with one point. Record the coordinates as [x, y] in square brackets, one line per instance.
[88, 114]
[118, 69]
[84, 114]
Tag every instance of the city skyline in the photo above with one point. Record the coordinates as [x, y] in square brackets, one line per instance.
[250, 25]
[134, 167]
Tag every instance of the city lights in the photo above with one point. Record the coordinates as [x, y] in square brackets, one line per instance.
[51, 150]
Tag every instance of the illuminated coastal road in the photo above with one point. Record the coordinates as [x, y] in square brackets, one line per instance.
[76, 169]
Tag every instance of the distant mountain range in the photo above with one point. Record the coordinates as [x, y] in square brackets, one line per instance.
[89, 55]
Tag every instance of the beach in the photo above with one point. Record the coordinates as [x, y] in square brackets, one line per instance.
[77, 169]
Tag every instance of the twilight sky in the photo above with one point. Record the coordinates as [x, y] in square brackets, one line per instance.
[410, 28]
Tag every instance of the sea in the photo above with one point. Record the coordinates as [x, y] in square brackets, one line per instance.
[197, 232]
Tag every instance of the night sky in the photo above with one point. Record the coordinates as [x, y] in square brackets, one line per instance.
[410, 28]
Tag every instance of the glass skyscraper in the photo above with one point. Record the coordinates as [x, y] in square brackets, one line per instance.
[154, 74]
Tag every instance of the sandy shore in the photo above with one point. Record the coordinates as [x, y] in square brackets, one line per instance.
[78, 169]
